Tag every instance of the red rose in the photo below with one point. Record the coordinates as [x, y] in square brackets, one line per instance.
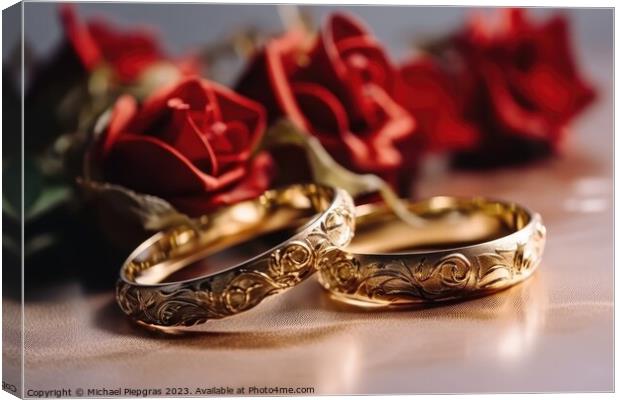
[522, 87]
[127, 53]
[340, 88]
[430, 95]
[60, 97]
[190, 143]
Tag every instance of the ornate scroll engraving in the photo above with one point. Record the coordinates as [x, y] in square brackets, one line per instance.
[450, 276]
[238, 290]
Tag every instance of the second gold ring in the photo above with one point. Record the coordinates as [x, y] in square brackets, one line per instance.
[463, 248]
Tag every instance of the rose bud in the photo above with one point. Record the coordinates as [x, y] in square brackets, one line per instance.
[191, 144]
[521, 86]
[431, 96]
[339, 87]
[92, 64]
[128, 54]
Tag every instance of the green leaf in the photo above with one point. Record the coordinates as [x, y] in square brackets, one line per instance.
[11, 188]
[33, 183]
[40, 243]
[11, 244]
[328, 172]
[150, 212]
[51, 196]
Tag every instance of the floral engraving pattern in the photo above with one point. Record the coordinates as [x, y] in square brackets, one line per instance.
[428, 279]
[232, 292]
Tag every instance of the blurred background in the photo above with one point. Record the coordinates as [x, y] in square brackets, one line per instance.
[185, 27]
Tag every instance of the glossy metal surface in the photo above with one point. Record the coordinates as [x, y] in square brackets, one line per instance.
[145, 293]
[464, 247]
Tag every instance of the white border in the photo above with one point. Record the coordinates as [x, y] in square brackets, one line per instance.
[480, 3]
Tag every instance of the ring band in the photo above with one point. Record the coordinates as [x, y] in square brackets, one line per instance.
[144, 294]
[466, 248]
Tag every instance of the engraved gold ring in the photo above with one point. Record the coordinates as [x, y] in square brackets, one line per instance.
[464, 248]
[156, 289]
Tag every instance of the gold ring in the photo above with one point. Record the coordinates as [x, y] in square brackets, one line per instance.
[153, 288]
[465, 248]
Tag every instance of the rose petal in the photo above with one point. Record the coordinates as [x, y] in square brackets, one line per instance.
[183, 133]
[255, 181]
[323, 113]
[376, 59]
[123, 112]
[326, 119]
[239, 109]
[426, 93]
[128, 52]
[324, 65]
[190, 90]
[83, 43]
[342, 26]
[331, 68]
[266, 79]
[374, 152]
[149, 165]
[230, 142]
[553, 82]
[511, 114]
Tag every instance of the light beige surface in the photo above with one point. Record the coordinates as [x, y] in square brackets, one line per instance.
[552, 333]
